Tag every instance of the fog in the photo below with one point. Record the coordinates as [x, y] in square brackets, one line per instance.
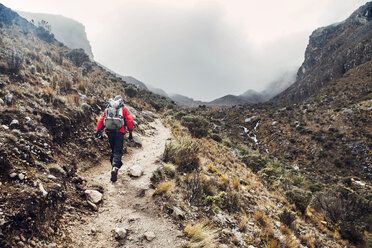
[201, 49]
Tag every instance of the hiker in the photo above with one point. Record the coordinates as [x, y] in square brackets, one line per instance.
[115, 119]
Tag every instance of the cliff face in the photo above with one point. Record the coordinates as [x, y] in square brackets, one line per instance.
[68, 31]
[331, 52]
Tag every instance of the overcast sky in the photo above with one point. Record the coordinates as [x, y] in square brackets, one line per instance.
[199, 48]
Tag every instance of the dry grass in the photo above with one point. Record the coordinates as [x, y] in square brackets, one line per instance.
[261, 218]
[236, 183]
[202, 234]
[164, 187]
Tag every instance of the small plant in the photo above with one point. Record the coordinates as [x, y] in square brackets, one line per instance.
[164, 187]
[203, 234]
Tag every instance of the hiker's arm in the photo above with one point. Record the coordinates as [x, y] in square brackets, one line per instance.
[100, 122]
[128, 120]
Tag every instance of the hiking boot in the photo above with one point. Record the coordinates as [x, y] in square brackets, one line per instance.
[114, 174]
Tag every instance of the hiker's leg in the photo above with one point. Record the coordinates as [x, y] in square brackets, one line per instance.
[111, 138]
[118, 150]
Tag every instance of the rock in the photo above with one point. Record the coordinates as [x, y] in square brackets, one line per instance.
[43, 191]
[14, 123]
[250, 119]
[1, 102]
[94, 196]
[120, 233]
[135, 171]
[28, 120]
[52, 245]
[13, 175]
[57, 171]
[178, 212]
[94, 206]
[137, 141]
[5, 127]
[274, 123]
[51, 177]
[33, 243]
[149, 236]
[21, 176]
[9, 98]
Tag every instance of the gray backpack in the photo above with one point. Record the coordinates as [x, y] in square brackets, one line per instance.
[114, 119]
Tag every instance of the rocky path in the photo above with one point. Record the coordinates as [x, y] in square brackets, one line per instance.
[127, 204]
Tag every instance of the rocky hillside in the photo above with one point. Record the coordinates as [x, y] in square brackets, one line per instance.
[315, 153]
[332, 51]
[50, 98]
[68, 31]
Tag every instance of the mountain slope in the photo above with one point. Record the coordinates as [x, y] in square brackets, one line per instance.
[50, 99]
[331, 52]
[68, 31]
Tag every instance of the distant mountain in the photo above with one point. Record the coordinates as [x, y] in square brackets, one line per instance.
[134, 81]
[331, 52]
[68, 31]
[157, 91]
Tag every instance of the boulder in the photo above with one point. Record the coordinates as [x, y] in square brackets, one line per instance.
[149, 236]
[120, 233]
[135, 171]
[137, 141]
[94, 196]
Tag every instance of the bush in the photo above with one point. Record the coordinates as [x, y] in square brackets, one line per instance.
[254, 161]
[347, 210]
[131, 91]
[43, 31]
[197, 125]
[287, 217]
[14, 61]
[182, 152]
[300, 198]
[78, 56]
[162, 173]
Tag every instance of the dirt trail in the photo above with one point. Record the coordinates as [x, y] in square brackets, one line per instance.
[128, 202]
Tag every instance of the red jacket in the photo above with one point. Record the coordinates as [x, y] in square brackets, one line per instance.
[128, 120]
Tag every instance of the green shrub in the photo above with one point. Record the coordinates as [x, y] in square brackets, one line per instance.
[131, 91]
[300, 198]
[254, 161]
[197, 125]
[182, 152]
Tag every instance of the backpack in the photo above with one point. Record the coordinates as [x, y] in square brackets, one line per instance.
[114, 119]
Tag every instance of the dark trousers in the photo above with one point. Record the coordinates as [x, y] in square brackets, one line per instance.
[116, 140]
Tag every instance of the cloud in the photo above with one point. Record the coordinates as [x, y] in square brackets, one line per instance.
[194, 51]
